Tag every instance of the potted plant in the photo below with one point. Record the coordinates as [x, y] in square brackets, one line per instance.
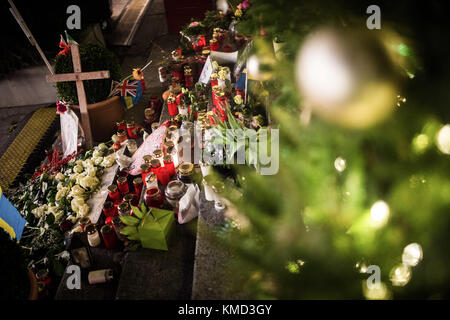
[103, 111]
[17, 281]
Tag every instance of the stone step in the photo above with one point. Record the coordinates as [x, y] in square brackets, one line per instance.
[129, 22]
[213, 277]
[156, 274]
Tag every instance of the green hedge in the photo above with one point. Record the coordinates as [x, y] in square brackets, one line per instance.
[93, 58]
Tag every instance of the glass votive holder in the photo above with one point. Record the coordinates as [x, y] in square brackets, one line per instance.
[132, 146]
[122, 183]
[151, 181]
[153, 198]
[93, 236]
[155, 126]
[113, 193]
[109, 209]
[138, 184]
[158, 154]
[109, 237]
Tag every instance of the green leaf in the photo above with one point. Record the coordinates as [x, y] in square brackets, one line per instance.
[129, 230]
[134, 236]
[138, 213]
[129, 220]
[143, 208]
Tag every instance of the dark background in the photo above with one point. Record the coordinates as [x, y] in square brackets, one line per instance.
[46, 20]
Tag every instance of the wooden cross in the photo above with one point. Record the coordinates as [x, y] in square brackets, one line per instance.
[78, 77]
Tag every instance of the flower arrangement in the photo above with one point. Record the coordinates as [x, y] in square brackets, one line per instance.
[193, 29]
[55, 194]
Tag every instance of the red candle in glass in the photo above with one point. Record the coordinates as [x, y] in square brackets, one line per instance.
[201, 41]
[122, 183]
[163, 175]
[113, 193]
[172, 106]
[153, 198]
[109, 236]
[132, 130]
[121, 125]
[145, 170]
[168, 163]
[137, 183]
[214, 45]
[109, 221]
[156, 165]
[109, 209]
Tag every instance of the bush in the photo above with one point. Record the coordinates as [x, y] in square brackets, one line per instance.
[93, 58]
[14, 279]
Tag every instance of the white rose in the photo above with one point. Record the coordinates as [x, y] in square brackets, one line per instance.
[108, 161]
[89, 182]
[98, 161]
[61, 193]
[78, 168]
[76, 191]
[83, 210]
[97, 153]
[76, 203]
[60, 176]
[79, 162]
[39, 211]
[238, 99]
[52, 209]
[88, 163]
[115, 138]
[59, 186]
[74, 176]
[102, 146]
[80, 177]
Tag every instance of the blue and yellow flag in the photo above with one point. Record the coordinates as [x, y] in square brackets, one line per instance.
[10, 219]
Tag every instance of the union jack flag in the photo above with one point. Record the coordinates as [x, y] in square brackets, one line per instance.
[130, 91]
[126, 88]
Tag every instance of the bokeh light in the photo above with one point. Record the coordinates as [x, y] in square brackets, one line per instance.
[340, 164]
[443, 139]
[379, 212]
[378, 292]
[412, 254]
[400, 275]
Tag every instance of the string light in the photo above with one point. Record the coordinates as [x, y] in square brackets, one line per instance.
[340, 164]
[400, 275]
[412, 254]
[379, 212]
[443, 139]
[400, 100]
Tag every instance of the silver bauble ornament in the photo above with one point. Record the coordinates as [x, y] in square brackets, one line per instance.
[346, 77]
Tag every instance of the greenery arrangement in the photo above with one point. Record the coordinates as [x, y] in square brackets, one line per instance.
[93, 58]
[193, 29]
[13, 270]
[311, 231]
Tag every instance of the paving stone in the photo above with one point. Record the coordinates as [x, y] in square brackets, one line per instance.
[157, 274]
